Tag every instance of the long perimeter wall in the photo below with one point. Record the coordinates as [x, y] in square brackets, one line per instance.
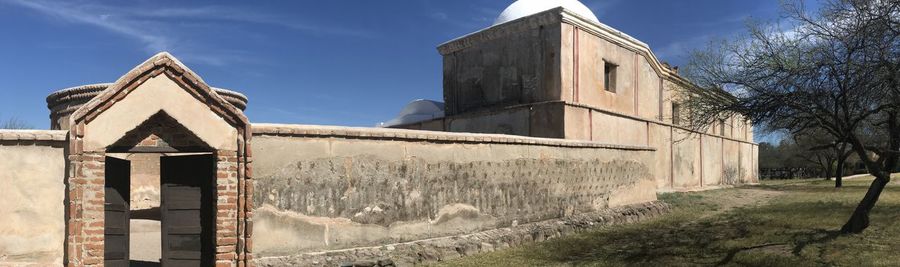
[323, 189]
[330, 188]
[683, 160]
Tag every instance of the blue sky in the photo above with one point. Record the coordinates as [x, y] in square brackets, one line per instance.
[338, 62]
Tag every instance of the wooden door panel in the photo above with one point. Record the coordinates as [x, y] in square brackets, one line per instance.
[184, 263]
[188, 212]
[116, 208]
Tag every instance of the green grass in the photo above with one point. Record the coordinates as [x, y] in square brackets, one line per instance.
[779, 223]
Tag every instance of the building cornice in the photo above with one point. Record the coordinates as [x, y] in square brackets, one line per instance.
[548, 17]
[562, 15]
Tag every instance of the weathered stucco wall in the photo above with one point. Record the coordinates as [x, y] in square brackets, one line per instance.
[617, 130]
[32, 172]
[145, 180]
[515, 63]
[711, 149]
[748, 169]
[536, 120]
[328, 188]
[680, 160]
[686, 159]
[639, 111]
[661, 139]
[591, 53]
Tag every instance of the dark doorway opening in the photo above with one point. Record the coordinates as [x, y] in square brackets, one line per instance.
[187, 199]
[184, 217]
[116, 209]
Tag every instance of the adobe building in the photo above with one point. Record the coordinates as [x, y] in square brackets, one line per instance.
[560, 73]
[554, 123]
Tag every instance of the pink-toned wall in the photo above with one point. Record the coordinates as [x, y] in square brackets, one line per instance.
[639, 112]
[488, 92]
[32, 174]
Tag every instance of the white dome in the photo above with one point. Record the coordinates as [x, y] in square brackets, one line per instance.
[416, 111]
[524, 8]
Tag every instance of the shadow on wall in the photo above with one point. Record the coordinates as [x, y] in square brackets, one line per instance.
[287, 233]
[343, 202]
[143, 264]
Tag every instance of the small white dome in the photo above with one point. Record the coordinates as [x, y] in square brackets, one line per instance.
[415, 112]
[524, 8]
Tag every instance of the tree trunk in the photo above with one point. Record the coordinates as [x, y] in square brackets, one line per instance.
[859, 221]
[839, 174]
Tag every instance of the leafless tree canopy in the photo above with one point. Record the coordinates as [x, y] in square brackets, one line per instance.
[835, 71]
[14, 123]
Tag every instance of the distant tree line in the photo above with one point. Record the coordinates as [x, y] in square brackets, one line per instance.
[793, 159]
[14, 123]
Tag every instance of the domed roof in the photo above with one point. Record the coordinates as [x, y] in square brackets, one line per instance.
[524, 8]
[417, 111]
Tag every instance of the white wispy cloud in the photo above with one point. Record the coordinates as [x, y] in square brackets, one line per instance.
[73, 13]
[677, 52]
[158, 29]
[220, 13]
[477, 17]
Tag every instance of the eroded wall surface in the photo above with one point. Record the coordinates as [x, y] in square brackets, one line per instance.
[332, 188]
[639, 108]
[515, 63]
[32, 170]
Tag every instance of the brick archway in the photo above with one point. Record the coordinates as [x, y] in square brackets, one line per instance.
[161, 85]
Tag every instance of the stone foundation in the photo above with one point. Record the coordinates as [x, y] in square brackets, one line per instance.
[452, 247]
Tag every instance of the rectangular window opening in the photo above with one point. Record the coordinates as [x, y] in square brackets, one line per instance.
[722, 127]
[609, 76]
[676, 113]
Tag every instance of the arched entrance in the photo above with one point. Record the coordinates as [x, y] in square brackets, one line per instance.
[201, 142]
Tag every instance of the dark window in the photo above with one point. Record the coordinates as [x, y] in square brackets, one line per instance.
[722, 127]
[609, 76]
[676, 113]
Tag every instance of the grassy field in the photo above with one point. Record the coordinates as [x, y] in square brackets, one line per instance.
[779, 223]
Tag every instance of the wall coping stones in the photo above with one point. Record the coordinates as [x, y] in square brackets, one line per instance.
[296, 130]
[33, 135]
[447, 248]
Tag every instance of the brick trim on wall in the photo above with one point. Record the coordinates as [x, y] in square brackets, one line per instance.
[86, 177]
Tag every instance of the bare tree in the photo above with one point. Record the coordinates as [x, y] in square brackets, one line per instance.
[814, 153]
[836, 70]
[14, 123]
[822, 149]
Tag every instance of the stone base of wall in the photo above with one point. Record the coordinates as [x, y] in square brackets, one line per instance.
[447, 248]
[701, 189]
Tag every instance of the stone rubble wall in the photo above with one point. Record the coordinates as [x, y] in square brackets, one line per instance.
[32, 169]
[448, 248]
[320, 189]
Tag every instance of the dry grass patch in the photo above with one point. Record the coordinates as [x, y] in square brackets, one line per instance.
[783, 223]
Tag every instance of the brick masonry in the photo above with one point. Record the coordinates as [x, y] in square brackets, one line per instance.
[85, 182]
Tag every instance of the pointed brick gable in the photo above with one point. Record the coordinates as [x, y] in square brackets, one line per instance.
[159, 117]
[160, 64]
